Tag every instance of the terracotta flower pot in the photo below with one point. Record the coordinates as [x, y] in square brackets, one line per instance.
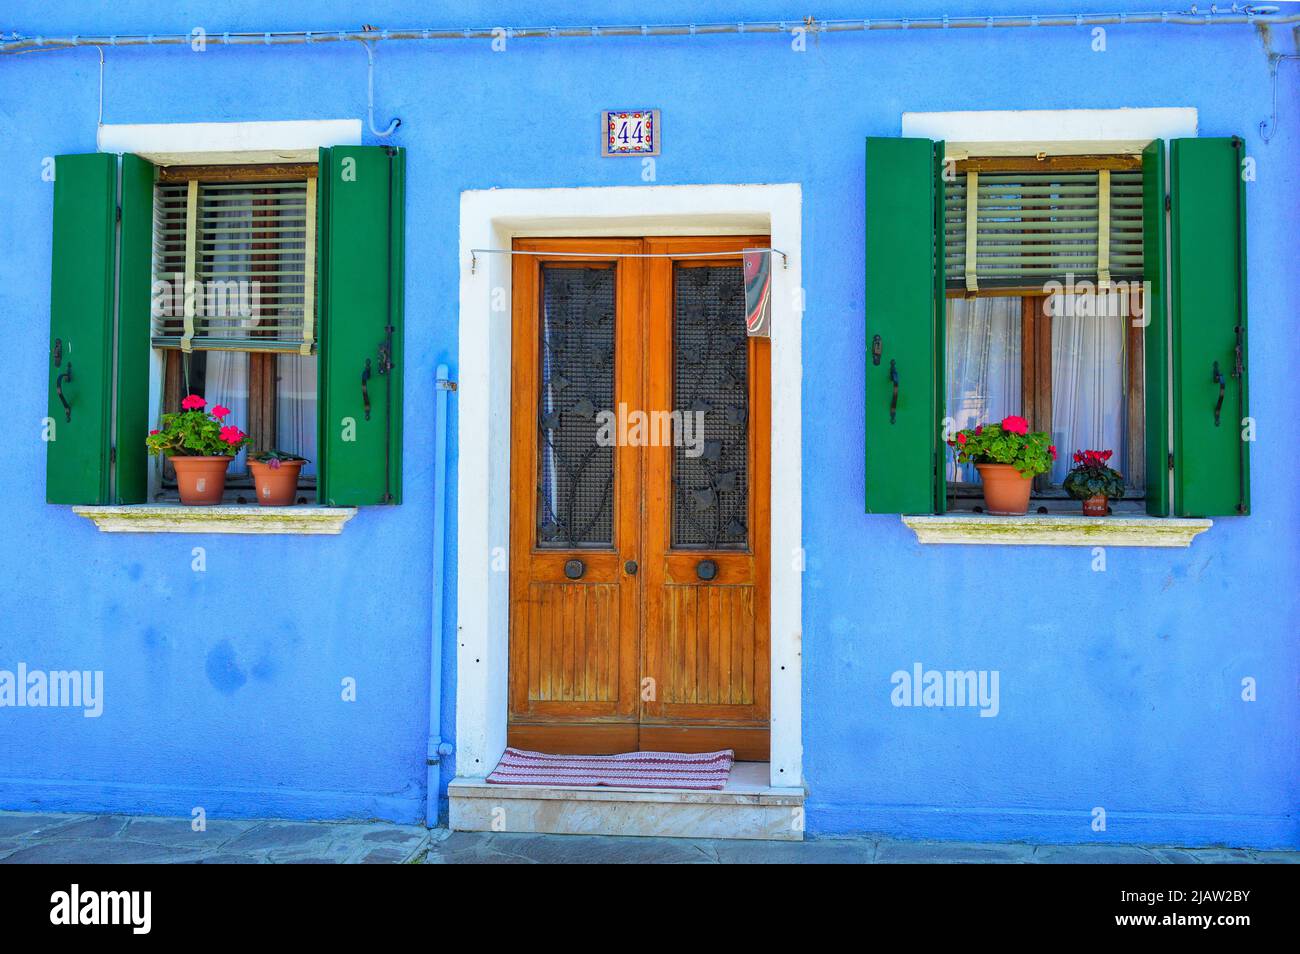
[1006, 492]
[201, 480]
[276, 486]
[1096, 506]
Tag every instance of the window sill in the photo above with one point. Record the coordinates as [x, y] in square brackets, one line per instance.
[223, 518]
[1057, 530]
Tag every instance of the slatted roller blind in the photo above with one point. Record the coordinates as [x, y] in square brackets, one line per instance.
[1034, 227]
[236, 260]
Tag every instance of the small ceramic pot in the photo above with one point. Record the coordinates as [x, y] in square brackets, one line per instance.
[201, 480]
[276, 486]
[1006, 491]
[1096, 506]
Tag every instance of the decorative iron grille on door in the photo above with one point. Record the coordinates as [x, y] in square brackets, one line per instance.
[575, 483]
[710, 384]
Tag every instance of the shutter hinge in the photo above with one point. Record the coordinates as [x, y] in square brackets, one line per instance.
[1169, 203]
[119, 213]
[1171, 460]
[112, 455]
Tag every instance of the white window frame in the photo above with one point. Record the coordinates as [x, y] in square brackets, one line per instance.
[241, 143]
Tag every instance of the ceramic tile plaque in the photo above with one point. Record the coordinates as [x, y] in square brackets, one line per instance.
[630, 132]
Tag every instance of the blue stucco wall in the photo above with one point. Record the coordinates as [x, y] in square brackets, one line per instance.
[1119, 689]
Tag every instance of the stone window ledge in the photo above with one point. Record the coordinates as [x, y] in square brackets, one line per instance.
[222, 518]
[1057, 530]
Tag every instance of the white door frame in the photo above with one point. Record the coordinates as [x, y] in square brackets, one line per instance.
[491, 219]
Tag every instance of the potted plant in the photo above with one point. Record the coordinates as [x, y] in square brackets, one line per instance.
[1008, 457]
[200, 445]
[275, 473]
[1093, 482]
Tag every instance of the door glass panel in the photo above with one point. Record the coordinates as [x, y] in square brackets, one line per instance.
[575, 473]
[710, 409]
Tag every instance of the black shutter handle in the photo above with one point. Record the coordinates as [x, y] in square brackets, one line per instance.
[58, 388]
[1218, 379]
[365, 394]
[893, 402]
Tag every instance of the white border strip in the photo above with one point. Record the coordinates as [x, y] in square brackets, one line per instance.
[491, 219]
[287, 136]
[1080, 127]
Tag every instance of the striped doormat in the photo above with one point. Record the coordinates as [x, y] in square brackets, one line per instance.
[701, 771]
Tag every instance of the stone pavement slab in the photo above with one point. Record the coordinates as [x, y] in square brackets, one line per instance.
[33, 838]
[505, 848]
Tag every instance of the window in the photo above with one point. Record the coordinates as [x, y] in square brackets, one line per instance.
[239, 238]
[275, 289]
[1069, 360]
[1038, 284]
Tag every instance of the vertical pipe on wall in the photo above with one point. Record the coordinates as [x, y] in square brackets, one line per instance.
[437, 748]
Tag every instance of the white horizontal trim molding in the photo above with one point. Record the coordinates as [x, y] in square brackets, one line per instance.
[211, 143]
[222, 518]
[1055, 530]
[1026, 132]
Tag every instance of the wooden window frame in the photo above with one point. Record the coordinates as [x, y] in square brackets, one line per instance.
[1036, 386]
[263, 382]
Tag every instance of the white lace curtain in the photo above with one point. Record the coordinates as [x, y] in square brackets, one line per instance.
[1089, 394]
[983, 357]
[1089, 397]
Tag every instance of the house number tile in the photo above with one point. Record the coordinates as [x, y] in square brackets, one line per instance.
[630, 132]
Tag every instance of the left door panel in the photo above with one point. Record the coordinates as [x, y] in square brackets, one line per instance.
[575, 519]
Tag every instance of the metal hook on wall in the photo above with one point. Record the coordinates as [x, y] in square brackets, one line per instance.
[99, 122]
[370, 95]
[75, 44]
[1268, 127]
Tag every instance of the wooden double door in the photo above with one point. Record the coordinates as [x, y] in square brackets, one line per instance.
[640, 449]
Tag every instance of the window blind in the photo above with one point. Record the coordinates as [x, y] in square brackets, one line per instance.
[1020, 229]
[233, 266]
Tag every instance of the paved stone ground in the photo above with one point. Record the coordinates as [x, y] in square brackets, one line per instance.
[92, 839]
[27, 838]
[462, 847]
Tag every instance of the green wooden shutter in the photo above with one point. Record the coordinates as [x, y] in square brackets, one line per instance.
[940, 331]
[1208, 240]
[1155, 337]
[135, 284]
[359, 256]
[903, 317]
[81, 326]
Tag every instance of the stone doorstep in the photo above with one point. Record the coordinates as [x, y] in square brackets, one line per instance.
[746, 809]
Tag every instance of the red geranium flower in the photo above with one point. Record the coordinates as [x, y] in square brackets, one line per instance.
[231, 434]
[152, 433]
[1052, 450]
[1014, 424]
[979, 429]
[194, 403]
[219, 412]
[961, 438]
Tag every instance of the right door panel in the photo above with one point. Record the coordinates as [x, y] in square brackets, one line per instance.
[705, 672]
